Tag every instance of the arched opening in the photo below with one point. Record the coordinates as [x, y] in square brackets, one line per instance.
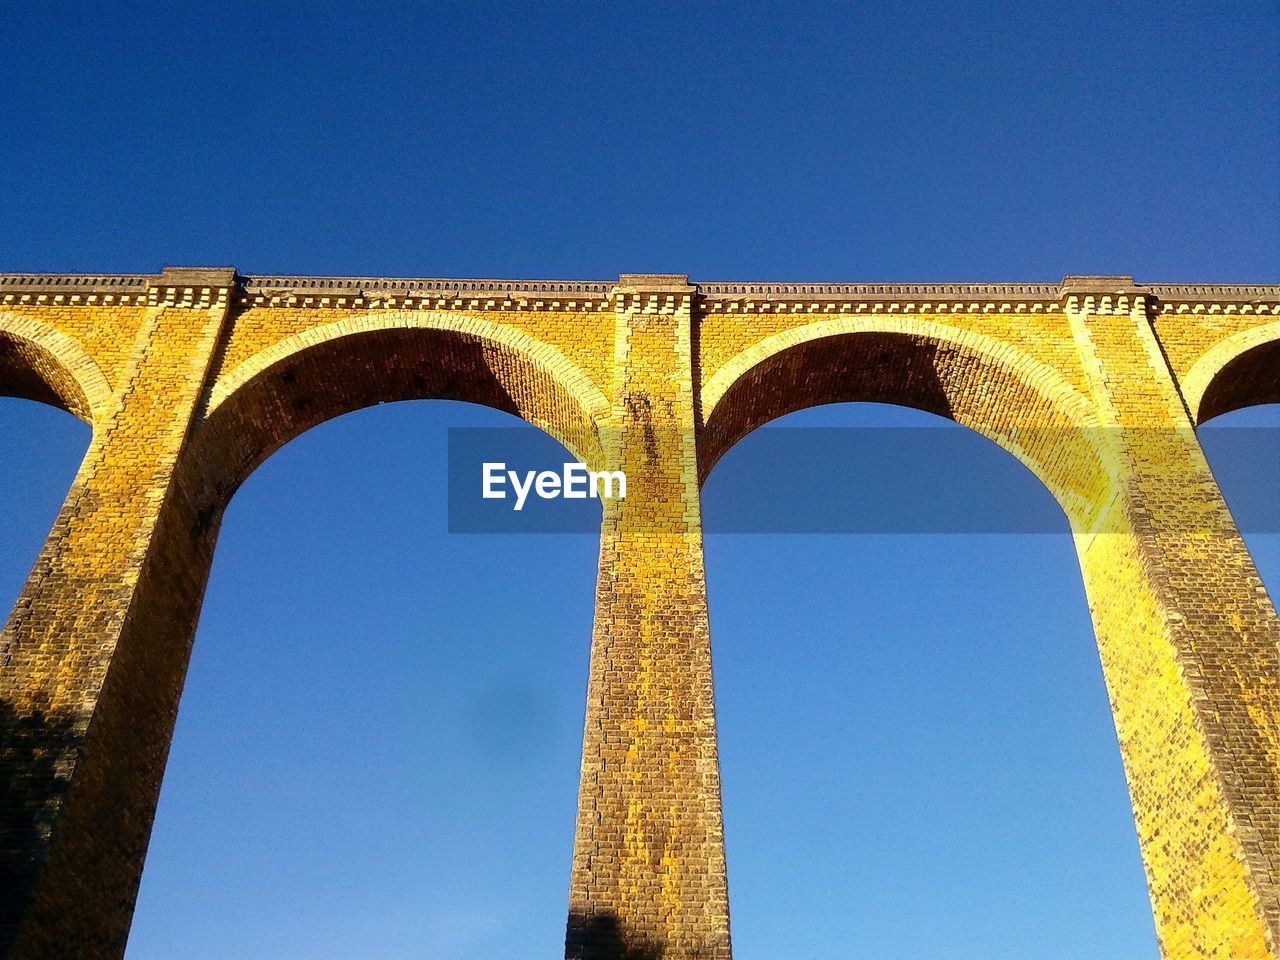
[45, 416]
[375, 752]
[1025, 407]
[1243, 450]
[307, 379]
[916, 746]
[1235, 392]
[40, 448]
[378, 746]
[45, 425]
[39, 363]
[1249, 379]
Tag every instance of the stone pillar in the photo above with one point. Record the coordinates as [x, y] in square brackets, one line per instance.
[1189, 643]
[94, 654]
[648, 863]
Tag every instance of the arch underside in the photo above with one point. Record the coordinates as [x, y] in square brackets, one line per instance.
[1043, 423]
[305, 387]
[1249, 379]
[39, 365]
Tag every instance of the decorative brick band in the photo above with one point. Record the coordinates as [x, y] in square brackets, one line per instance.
[443, 293]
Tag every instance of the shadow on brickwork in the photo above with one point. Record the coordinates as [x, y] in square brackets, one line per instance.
[893, 368]
[30, 748]
[601, 937]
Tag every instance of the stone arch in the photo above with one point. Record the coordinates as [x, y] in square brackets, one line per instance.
[39, 362]
[257, 407]
[1241, 371]
[295, 384]
[1022, 404]
[314, 376]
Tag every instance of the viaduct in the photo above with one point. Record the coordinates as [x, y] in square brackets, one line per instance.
[192, 377]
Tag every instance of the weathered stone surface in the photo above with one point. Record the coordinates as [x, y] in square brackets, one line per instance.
[192, 377]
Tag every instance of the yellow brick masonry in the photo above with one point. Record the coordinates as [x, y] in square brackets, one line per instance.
[192, 377]
[648, 865]
[89, 694]
[1189, 643]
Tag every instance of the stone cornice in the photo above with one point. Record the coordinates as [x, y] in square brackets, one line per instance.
[191, 287]
[426, 293]
[195, 286]
[653, 292]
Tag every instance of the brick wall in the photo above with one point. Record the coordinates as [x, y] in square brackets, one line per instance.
[192, 377]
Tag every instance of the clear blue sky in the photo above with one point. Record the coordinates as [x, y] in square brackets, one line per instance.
[378, 745]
